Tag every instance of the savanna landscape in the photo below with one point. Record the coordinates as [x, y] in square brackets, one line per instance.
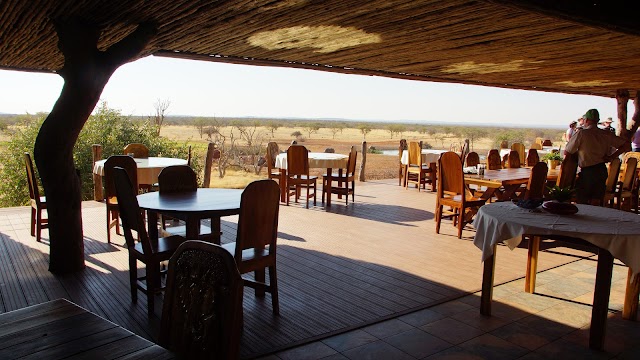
[242, 142]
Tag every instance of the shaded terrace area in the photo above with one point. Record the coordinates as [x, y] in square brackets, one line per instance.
[374, 262]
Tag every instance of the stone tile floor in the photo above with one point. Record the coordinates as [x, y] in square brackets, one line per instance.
[553, 323]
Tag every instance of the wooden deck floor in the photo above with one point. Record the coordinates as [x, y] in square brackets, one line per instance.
[338, 270]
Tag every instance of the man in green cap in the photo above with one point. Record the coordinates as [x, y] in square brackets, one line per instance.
[595, 148]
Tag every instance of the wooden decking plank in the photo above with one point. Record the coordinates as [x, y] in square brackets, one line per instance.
[114, 350]
[34, 321]
[81, 344]
[154, 352]
[12, 295]
[18, 314]
[27, 277]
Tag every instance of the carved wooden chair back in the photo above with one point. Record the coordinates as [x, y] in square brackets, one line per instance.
[537, 181]
[630, 173]
[614, 175]
[532, 157]
[202, 306]
[514, 159]
[547, 142]
[473, 159]
[537, 146]
[177, 178]
[401, 148]
[272, 152]
[519, 147]
[451, 179]
[415, 154]
[493, 160]
[139, 150]
[297, 161]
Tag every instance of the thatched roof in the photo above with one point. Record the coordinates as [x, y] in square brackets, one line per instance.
[560, 46]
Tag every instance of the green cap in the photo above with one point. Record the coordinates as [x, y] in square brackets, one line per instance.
[592, 115]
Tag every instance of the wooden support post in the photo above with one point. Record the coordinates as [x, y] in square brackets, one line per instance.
[622, 98]
[96, 154]
[630, 308]
[363, 163]
[207, 166]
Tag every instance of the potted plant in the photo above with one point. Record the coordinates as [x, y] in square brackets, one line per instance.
[559, 200]
[552, 159]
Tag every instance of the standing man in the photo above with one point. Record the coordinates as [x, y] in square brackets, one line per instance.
[593, 146]
[607, 125]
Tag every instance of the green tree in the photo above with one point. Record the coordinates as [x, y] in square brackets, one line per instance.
[335, 128]
[311, 128]
[364, 129]
[396, 129]
[273, 126]
[200, 124]
[106, 126]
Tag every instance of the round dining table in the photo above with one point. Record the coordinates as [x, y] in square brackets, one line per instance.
[148, 168]
[191, 206]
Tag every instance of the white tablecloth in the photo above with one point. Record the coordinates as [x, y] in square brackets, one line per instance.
[428, 156]
[148, 169]
[317, 160]
[614, 230]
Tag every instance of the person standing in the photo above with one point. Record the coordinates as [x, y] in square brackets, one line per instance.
[593, 148]
[607, 125]
[570, 131]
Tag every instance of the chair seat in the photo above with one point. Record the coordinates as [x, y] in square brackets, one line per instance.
[455, 200]
[417, 169]
[247, 254]
[303, 177]
[165, 247]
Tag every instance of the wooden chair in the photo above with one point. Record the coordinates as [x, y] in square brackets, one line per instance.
[342, 181]
[611, 190]
[452, 192]
[38, 203]
[519, 147]
[272, 153]
[298, 173]
[493, 160]
[179, 178]
[150, 254]
[417, 172]
[628, 185]
[514, 160]
[202, 306]
[111, 200]
[547, 142]
[401, 169]
[138, 150]
[568, 171]
[473, 159]
[536, 146]
[255, 245]
[537, 181]
[539, 141]
[532, 157]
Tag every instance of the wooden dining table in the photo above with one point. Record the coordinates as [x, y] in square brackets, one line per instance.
[191, 207]
[503, 184]
[317, 160]
[60, 329]
[613, 232]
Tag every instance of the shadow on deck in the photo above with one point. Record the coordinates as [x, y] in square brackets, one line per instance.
[342, 269]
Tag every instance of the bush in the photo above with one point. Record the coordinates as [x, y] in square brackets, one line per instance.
[107, 127]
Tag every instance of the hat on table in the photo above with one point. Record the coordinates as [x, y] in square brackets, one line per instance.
[592, 115]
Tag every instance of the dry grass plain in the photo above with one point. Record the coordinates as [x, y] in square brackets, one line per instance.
[378, 166]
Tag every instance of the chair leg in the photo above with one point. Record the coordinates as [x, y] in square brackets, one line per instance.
[116, 216]
[259, 277]
[39, 225]
[133, 278]
[315, 191]
[273, 284]
[33, 221]
[153, 284]
[438, 217]
[460, 222]
[108, 226]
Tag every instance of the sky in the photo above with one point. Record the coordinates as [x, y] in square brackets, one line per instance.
[199, 88]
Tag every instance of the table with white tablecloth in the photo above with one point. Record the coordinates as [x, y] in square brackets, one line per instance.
[615, 233]
[148, 168]
[327, 161]
[428, 156]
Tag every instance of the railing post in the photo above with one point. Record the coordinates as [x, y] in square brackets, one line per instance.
[207, 165]
[363, 163]
[96, 154]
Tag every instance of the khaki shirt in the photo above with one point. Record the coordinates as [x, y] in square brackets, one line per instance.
[593, 145]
